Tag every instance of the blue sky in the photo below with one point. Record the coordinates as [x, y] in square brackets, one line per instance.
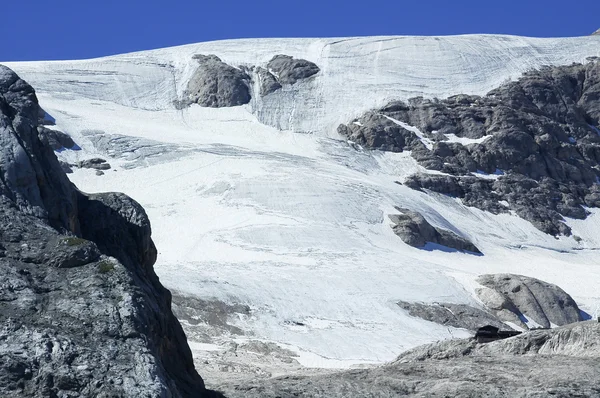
[68, 29]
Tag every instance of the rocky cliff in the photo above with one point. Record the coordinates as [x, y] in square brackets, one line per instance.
[82, 312]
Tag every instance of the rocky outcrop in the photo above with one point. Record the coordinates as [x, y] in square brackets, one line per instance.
[596, 32]
[93, 163]
[284, 70]
[415, 230]
[559, 362]
[539, 135]
[267, 82]
[216, 84]
[289, 70]
[455, 315]
[57, 140]
[521, 299]
[83, 313]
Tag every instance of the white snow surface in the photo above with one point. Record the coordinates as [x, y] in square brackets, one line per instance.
[245, 209]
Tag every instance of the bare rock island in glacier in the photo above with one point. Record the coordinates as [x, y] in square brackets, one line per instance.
[334, 217]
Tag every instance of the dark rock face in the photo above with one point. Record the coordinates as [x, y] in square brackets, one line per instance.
[512, 296]
[455, 315]
[57, 140]
[83, 313]
[267, 82]
[94, 163]
[290, 70]
[282, 70]
[560, 362]
[538, 137]
[415, 231]
[216, 84]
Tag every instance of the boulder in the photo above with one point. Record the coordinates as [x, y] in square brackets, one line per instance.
[415, 230]
[527, 302]
[94, 163]
[290, 70]
[216, 84]
[57, 140]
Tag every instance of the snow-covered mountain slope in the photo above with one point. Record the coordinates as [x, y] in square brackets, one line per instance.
[247, 209]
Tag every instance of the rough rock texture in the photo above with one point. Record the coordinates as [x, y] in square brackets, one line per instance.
[282, 70]
[267, 82]
[531, 146]
[290, 70]
[57, 140]
[455, 315]
[513, 296]
[82, 312]
[561, 362]
[94, 163]
[415, 231]
[216, 84]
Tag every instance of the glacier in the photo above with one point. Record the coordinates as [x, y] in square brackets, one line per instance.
[265, 205]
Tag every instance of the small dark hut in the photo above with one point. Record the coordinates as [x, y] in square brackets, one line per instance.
[489, 333]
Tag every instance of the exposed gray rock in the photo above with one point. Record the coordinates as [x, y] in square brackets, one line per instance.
[415, 231]
[283, 70]
[540, 135]
[94, 163]
[596, 32]
[455, 315]
[560, 362]
[289, 70]
[56, 139]
[267, 81]
[216, 84]
[83, 313]
[512, 296]
[205, 316]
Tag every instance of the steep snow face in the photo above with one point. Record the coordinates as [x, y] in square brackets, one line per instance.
[245, 210]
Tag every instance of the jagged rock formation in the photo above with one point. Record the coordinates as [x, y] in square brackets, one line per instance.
[415, 231]
[455, 315]
[57, 140]
[283, 69]
[531, 146]
[511, 297]
[83, 313]
[559, 362]
[216, 84]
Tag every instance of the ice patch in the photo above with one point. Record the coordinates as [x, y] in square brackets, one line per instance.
[426, 141]
[482, 174]
[466, 141]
